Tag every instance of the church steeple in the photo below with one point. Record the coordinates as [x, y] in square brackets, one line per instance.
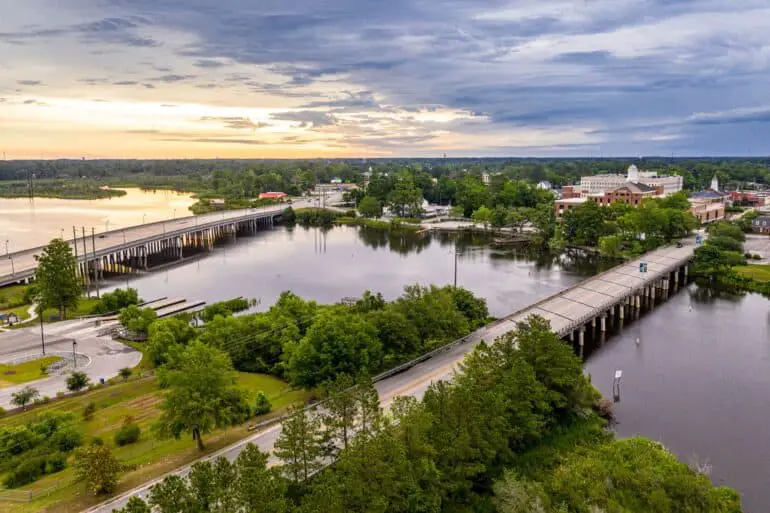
[715, 184]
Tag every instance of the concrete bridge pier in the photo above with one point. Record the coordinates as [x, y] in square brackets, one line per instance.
[620, 311]
[581, 338]
[603, 319]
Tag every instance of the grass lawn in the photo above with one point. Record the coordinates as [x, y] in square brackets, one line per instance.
[137, 398]
[757, 272]
[12, 296]
[84, 308]
[23, 372]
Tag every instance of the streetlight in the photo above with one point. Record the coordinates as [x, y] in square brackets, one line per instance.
[107, 225]
[74, 357]
[174, 216]
[61, 233]
[13, 268]
[144, 218]
[6, 246]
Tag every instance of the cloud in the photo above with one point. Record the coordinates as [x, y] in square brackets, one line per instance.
[32, 101]
[125, 83]
[249, 142]
[29, 82]
[307, 118]
[170, 78]
[208, 63]
[237, 123]
[747, 115]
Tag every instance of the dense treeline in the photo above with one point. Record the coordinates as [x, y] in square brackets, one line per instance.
[244, 179]
[620, 229]
[309, 344]
[517, 431]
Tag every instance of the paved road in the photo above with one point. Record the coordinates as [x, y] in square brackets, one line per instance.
[413, 382]
[23, 261]
[103, 356]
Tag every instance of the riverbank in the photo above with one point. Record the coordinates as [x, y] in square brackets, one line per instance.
[62, 189]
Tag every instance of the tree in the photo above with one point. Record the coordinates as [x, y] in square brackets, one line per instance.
[262, 404]
[338, 342]
[471, 194]
[137, 320]
[135, 505]
[55, 277]
[482, 216]
[203, 394]
[259, 488]
[405, 199]
[116, 300]
[370, 207]
[125, 373]
[516, 218]
[611, 245]
[300, 445]
[96, 465]
[24, 396]
[77, 381]
[340, 412]
[583, 225]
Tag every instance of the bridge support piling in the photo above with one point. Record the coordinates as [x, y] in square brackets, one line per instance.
[581, 339]
[621, 313]
[603, 319]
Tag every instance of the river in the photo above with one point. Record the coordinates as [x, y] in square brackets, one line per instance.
[32, 222]
[698, 380]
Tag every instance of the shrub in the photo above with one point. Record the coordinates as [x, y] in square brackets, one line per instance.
[262, 405]
[55, 462]
[66, 438]
[756, 256]
[89, 410]
[125, 373]
[128, 434]
[97, 440]
[77, 381]
[2, 411]
[46, 399]
[59, 394]
[28, 471]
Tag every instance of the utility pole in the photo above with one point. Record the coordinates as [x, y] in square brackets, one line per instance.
[85, 262]
[96, 261]
[74, 356]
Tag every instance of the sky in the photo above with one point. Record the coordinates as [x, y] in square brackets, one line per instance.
[369, 78]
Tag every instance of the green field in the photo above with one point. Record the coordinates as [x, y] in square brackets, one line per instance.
[757, 272]
[138, 399]
[24, 372]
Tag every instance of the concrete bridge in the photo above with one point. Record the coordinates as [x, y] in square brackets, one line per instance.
[619, 291]
[140, 247]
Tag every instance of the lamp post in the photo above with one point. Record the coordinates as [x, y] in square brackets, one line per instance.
[144, 218]
[42, 335]
[74, 356]
[13, 268]
[6, 247]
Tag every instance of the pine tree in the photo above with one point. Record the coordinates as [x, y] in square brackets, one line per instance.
[340, 412]
[301, 445]
[56, 281]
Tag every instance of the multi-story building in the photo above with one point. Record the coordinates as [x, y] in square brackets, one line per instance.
[761, 224]
[630, 193]
[597, 184]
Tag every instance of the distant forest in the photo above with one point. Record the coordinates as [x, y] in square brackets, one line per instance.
[199, 175]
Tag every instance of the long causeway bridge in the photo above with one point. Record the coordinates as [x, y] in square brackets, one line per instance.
[139, 247]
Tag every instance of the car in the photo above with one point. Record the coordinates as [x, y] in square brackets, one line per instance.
[679, 245]
[289, 202]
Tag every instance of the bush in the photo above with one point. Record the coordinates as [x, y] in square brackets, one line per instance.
[116, 300]
[28, 471]
[89, 410]
[59, 394]
[128, 434]
[55, 462]
[97, 440]
[66, 438]
[262, 405]
[756, 257]
[46, 399]
[351, 213]
[2, 411]
[77, 381]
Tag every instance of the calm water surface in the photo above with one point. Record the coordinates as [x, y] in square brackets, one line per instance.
[28, 223]
[699, 380]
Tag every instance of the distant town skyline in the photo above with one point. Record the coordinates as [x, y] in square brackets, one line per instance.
[365, 78]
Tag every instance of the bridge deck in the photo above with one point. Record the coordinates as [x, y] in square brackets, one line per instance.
[22, 264]
[580, 303]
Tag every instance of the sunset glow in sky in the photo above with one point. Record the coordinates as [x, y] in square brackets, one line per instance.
[337, 78]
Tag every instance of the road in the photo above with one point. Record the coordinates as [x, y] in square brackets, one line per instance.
[99, 357]
[412, 382]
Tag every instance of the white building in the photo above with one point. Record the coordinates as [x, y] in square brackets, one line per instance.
[599, 183]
